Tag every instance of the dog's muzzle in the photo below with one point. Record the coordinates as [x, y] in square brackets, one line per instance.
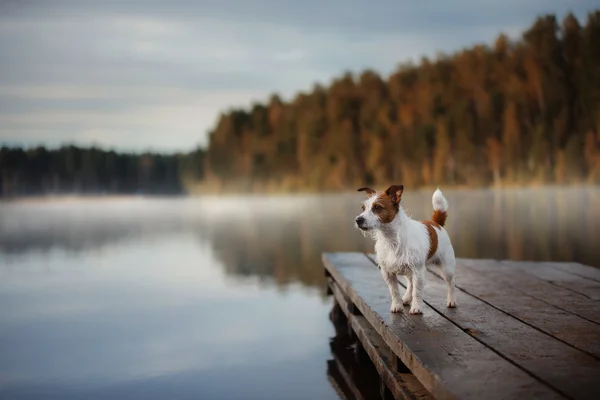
[360, 222]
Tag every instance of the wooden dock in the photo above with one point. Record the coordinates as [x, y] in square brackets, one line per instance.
[522, 330]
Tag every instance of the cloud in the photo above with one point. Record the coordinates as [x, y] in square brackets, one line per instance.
[147, 73]
[148, 119]
[292, 55]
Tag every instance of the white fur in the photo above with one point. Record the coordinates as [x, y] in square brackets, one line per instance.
[402, 247]
[439, 201]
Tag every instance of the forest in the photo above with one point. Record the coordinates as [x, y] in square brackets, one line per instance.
[514, 112]
[75, 170]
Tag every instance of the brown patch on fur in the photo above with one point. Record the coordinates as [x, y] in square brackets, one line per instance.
[394, 192]
[439, 217]
[435, 224]
[433, 237]
[387, 204]
[370, 192]
[384, 208]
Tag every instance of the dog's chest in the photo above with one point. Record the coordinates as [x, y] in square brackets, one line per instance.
[389, 258]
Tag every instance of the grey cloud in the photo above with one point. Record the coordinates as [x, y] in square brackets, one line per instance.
[90, 53]
[369, 15]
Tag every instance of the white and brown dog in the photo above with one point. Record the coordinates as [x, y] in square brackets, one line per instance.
[406, 247]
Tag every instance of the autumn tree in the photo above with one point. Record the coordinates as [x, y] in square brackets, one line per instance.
[516, 111]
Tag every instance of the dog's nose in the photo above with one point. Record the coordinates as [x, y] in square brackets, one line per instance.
[360, 220]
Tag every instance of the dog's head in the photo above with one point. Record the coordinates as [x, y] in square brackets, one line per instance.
[379, 208]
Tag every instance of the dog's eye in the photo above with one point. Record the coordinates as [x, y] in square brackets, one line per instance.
[362, 207]
[377, 207]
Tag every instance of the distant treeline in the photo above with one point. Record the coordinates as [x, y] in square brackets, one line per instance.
[514, 112]
[74, 170]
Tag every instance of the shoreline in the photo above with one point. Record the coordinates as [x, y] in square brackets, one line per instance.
[259, 194]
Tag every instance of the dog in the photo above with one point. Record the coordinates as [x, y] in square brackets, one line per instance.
[407, 247]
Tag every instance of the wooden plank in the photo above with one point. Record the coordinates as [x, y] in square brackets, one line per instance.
[562, 298]
[544, 271]
[402, 385]
[447, 361]
[512, 293]
[567, 370]
[584, 271]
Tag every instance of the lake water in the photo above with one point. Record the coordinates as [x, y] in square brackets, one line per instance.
[219, 298]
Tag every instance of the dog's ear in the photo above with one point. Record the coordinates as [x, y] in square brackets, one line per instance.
[370, 192]
[395, 193]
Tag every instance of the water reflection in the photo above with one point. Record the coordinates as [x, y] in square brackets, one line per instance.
[350, 370]
[154, 318]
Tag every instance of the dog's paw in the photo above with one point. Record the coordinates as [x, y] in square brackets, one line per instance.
[406, 300]
[396, 307]
[451, 303]
[415, 309]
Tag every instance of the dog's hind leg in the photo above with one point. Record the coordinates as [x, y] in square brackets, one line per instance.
[447, 269]
[392, 281]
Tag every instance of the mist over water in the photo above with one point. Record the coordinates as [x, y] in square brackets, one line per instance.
[220, 297]
[551, 224]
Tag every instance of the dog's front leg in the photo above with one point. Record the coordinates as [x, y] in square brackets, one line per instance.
[418, 287]
[392, 282]
[407, 298]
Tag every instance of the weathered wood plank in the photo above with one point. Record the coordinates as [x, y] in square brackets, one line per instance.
[512, 293]
[447, 361]
[402, 385]
[540, 289]
[544, 271]
[584, 271]
[564, 368]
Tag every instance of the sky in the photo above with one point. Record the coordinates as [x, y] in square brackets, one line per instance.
[138, 75]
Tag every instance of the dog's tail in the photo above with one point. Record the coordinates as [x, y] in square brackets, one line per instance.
[440, 207]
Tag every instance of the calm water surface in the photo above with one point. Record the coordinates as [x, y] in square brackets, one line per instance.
[219, 298]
